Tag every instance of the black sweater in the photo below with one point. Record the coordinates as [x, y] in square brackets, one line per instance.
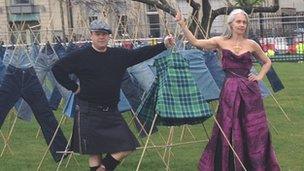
[100, 74]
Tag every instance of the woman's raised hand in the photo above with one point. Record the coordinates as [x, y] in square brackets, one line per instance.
[180, 20]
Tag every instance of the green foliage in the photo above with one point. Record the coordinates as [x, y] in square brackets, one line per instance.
[248, 2]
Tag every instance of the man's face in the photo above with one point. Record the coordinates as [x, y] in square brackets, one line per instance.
[100, 39]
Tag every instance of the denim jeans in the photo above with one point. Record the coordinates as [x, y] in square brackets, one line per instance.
[123, 104]
[55, 99]
[264, 90]
[70, 106]
[59, 50]
[56, 96]
[42, 65]
[24, 83]
[133, 94]
[132, 91]
[34, 50]
[274, 80]
[2, 51]
[17, 57]
[201, 73]
[2, 70]
[214, 67]
[71, 47]
[143, 75]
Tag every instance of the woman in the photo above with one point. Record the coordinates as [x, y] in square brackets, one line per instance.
[241, 114]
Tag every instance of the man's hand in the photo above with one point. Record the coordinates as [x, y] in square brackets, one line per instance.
[169, 41]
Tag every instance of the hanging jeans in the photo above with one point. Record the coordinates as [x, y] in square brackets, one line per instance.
[19, 58]
[59, 50]
[143, 75]
[201, 74]
[2, 50]
[43, 64]
[264, 90]
[2, 71]
[56, 97]
[274, 80]
[24, 83]
[70, 107]
[214, 66]
[133, 94]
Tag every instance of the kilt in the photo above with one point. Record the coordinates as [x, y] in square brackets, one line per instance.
[100, 129]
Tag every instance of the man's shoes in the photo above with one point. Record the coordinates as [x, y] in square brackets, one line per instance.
[101, 168]
[98, 168]
[94, 168]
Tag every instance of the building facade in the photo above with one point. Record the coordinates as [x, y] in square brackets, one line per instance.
[42, 20]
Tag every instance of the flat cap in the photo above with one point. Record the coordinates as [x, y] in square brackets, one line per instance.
[98, 25]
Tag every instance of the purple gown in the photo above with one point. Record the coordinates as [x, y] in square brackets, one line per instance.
[243, 119]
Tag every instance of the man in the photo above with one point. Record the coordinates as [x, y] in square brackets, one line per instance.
[99, 127]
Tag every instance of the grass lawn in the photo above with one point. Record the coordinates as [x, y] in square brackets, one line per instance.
[288, 142]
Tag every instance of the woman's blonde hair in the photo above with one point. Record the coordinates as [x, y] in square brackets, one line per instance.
[230, 19]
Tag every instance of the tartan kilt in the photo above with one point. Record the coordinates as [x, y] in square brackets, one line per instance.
[98, 131]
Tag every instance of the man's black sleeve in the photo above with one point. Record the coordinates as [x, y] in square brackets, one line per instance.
[141, 54]
[61, 70]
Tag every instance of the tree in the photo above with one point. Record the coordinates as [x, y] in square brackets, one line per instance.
[208, 14]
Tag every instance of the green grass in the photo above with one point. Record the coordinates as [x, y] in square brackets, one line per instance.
[288, 143]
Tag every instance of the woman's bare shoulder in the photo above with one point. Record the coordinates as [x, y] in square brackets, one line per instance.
[252, 44]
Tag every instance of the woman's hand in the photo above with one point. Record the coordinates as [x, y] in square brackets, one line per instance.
[253, 77]
[180, 20]
[169, 41]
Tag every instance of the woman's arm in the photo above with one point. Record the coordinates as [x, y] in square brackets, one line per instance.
[211, 43]
[260, 55]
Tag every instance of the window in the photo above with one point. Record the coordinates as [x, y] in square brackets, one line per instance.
[151, 8]
[154, 25]
[21, 1]
[122, 27]
[92, 18]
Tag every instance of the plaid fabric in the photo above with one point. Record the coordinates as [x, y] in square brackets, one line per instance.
[146, 110]
[174, 95]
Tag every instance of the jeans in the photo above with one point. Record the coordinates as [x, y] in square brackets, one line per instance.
[71, 47]
[2, 51]
[34, 51]
[55, 99]
[2, 71]
[214, 67]
[264, 90]
[24, 83]
[59, 50]
[143, 75]
[133, 94]
[201, 73]
[131, 90]
[123, 104]
[42, 65]
[274, 80]
[70, 106]
[17, 57]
